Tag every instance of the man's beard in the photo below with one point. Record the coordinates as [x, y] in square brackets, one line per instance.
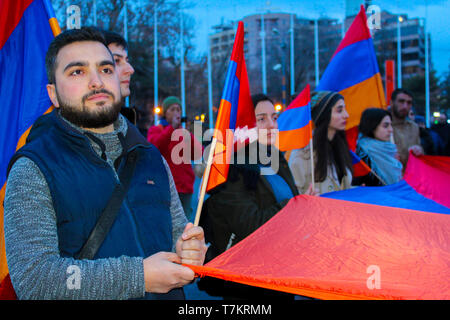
[398, 115]
[83, 117]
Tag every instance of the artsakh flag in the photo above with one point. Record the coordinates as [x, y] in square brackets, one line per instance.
[353, 72]
[26, 29]
[236, 119]
[360, 168]
[327, 248]
[294, 124]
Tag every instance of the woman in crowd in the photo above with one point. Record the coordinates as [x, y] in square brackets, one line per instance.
[332, 160]
[375, 148]
[259, 185]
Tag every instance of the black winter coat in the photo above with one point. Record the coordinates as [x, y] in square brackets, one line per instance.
[241, 205]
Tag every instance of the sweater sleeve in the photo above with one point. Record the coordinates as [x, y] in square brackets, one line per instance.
[37, 270]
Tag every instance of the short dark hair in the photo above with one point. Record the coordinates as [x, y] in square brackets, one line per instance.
[114, 37]
[257, 98]
[65, 38]
[397, 91]
[370, 119]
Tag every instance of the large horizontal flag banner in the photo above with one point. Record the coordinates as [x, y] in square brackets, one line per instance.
[339, 249]
[430, 177]
[294, 124]
[333, 249]
[353, 71]
[26, 29]
[236, 114]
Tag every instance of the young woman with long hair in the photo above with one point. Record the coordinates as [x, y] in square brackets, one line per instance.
[375, 148]
[332, 160]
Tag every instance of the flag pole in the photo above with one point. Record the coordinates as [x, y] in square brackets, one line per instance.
[312, 163]
[205, 181]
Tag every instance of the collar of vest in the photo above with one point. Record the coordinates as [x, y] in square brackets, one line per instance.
[133, 138]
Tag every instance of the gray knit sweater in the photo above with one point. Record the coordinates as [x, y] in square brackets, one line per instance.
[37, 270]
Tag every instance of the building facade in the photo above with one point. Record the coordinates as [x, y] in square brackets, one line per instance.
[412, 35]
[277, 31]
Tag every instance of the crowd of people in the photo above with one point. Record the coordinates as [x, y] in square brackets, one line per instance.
[115, 204]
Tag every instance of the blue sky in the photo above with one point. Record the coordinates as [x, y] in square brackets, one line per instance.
[210, 12]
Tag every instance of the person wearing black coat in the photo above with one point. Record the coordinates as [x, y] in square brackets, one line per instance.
[254, 192]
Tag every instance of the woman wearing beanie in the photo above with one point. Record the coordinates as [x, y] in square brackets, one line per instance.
[180, 165]
[332, 161]
[375, 148]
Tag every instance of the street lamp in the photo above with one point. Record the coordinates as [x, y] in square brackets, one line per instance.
[157, 111]
[427, 76]
[155, 59]
[399, 53]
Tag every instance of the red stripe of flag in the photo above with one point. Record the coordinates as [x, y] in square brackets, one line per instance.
[235, 111]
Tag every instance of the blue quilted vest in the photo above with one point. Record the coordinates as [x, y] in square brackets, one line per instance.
[81, 184]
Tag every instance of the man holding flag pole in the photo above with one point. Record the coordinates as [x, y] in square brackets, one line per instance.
[68, 247]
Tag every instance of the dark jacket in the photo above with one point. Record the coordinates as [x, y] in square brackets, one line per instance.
[242, 204]
[81, 183]
[233, 211]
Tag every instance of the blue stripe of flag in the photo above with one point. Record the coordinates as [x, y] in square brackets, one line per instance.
[231, 92]
[23, 93]
[355, 158]
[294, 118]
[352, 65]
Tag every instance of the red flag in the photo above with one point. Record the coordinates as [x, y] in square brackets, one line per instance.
[26, 29]
[334, 249]
[236, 114]
[294, 124]
[353, 72]
[360, 168]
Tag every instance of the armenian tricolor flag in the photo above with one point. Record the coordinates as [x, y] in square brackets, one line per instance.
[424, 187]
[360, 168]
[26, 29]
[353, 72]
[236, 115]
[337, 247]
[294, 124]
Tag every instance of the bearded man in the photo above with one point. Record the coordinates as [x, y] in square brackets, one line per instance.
[61, 183]
[406, 132]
